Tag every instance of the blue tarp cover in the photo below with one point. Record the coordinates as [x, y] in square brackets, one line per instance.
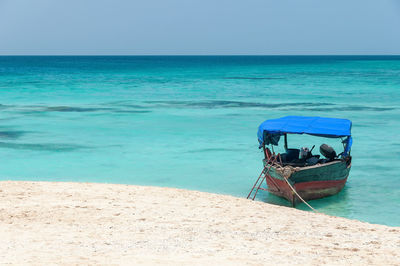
[317, 126]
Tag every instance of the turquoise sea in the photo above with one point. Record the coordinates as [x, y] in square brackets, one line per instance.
[191, 121]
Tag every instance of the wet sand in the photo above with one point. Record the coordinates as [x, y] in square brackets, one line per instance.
[81, 223]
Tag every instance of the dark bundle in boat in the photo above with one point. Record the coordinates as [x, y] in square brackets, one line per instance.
[298, 174]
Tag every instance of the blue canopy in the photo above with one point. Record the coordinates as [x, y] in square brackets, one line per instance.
[317, 126]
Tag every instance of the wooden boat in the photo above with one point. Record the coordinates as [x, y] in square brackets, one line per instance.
[307, 176]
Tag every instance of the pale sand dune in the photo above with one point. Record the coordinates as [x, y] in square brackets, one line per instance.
[80, 223]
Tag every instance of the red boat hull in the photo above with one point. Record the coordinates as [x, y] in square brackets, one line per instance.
[307, 190]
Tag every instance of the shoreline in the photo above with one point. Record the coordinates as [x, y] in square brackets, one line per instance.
[98, 223]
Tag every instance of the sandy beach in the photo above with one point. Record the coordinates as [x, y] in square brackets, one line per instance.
[81, 223]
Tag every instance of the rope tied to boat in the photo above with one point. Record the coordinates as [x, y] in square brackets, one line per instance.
[297, 194]
[285, 171]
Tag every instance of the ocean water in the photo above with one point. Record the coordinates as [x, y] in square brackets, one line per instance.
[191, 122]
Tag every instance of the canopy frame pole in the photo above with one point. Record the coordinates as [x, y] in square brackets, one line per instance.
[286, 146]
[263, 147]
[343, 141]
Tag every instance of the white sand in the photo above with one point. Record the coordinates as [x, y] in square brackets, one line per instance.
[79, 223]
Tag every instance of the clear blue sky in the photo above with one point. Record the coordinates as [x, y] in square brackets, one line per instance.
[199, 27]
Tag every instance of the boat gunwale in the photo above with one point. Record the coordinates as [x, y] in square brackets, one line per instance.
[301, 168]
[285, 172]
[318, 165]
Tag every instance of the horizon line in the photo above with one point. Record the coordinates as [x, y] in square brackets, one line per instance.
[199, 55]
